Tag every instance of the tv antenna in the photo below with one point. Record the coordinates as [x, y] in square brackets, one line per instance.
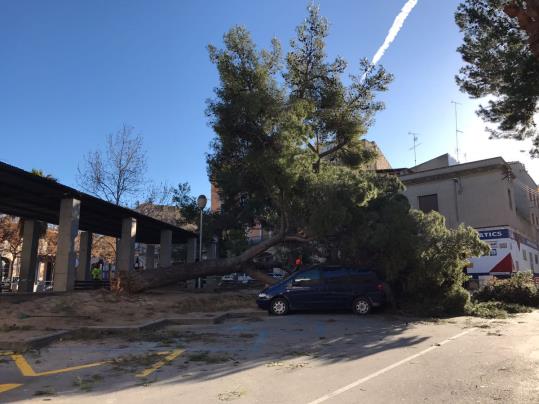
[415, 146]
[457, 131]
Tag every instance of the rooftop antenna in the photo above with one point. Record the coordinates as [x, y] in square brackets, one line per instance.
[416, 145]
[457, 131]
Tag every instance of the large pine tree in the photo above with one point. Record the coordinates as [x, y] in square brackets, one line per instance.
[500, 65]
[287, 154]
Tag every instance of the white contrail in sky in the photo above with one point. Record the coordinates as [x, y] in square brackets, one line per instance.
[394, 30]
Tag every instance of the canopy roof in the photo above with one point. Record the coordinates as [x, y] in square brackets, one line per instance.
[33, 197]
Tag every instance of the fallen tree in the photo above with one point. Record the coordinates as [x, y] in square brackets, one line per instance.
[137, 281]
[288, 156]
[288, 153]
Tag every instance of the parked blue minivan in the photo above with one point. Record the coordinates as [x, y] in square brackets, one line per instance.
[324, 288]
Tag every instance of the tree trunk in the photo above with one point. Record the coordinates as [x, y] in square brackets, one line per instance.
[528, 20]
[259, 276]
[11, 266]
[137, 281]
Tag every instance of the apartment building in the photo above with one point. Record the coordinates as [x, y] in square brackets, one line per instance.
[498, 198]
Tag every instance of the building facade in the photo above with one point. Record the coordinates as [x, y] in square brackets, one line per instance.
[498, 198]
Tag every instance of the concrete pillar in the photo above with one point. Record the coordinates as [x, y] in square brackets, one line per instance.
[211, 282]
[165, 249]
[192, 250]
[85, 256]
[126, 253]
[30, 243]
[64, 269]
[192, 256]
[212, 249]
[149, 262]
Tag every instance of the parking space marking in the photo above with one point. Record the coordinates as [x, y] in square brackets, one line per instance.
[9, 386]
[169, 358]
[26, 369]
[388, 368]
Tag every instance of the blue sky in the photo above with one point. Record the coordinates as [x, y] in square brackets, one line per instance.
[73, 71]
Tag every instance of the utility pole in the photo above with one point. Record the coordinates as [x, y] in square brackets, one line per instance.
[457, 131]
[415, 146]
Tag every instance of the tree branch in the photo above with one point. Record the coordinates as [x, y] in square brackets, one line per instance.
[333, 149]
[310, 146]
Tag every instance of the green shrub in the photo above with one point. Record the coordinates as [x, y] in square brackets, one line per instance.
[519, 289]
[448, 303]
[486, 310]
[494, 309]
[436, 277]
[455, 301]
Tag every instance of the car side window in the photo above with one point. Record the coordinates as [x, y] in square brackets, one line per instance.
[308, 278]
[336, 276]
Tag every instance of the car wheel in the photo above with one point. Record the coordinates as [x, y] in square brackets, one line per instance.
[362, 306]
[279, 306]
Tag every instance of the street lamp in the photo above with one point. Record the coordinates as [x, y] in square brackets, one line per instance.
[201, 203]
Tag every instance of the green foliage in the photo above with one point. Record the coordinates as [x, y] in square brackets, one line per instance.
[288, 153]
[382, 232]
[450, 302]
[40, 173]
[415, 253]
[494, 309]
[182, 198]
[519, 289]
[436, 272]
[441, 256]
[499, 63]
[234, 242]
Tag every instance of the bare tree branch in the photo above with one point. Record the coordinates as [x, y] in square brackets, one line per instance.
[118, 173]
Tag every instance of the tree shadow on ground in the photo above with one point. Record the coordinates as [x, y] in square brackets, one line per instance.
[211, 352]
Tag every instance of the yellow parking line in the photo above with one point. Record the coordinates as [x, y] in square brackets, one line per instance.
[7, 387]
[169, 358]
[26, 369]
[6, 353]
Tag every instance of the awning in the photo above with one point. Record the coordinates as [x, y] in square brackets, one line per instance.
[504, 266]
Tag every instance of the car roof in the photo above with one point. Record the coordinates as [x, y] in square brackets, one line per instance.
[330, 267]
[353, 267]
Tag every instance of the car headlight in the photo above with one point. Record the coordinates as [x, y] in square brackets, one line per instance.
[263, 295]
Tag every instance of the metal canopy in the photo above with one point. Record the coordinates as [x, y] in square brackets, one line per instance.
[33, 197]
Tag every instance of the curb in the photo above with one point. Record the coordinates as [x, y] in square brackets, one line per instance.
[34, 342]
[44, 340]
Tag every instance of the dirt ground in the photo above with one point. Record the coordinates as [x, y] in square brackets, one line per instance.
[103, 308]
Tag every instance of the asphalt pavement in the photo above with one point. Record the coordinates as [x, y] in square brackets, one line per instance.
[300, 358]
